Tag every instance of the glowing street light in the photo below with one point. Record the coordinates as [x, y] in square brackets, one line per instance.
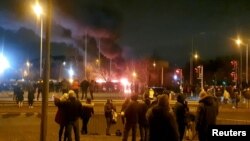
[4, 63]
[154, 64]
[239, 43]
[192, 57]
[196, 56]
[28, 67]
[134, 74]
[71, 74]
[28, 64]
[64, 63]
[37, 8]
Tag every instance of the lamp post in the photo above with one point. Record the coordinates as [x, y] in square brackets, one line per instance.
[85, 54]
[192, 57]
[239, 43]
[154, 65]
[28, 68]
[134, 75]
[46, 76]
[39, 12]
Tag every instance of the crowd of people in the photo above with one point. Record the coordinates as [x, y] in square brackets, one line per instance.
[34, 90]
[158, 121]
[155, 119]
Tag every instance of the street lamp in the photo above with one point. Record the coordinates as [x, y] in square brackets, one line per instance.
[71, 75]
[28, 67]
[39, 12]
[239, 43]
[154, 64]
[192, 57]
[134, 75]
[4, 63]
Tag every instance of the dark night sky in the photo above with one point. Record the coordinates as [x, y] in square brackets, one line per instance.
[130, 28]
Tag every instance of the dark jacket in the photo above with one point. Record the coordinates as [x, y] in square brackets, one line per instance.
[142, 110]
[73, 108]
[19, 94]
[84, 85]
[60, 113]
[31, 92]
[207, 112]
[131, 112]
[162, 125]
[87, 110]
[181, 110]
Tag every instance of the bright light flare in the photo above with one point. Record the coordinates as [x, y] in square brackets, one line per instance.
[196, 56]
[134, 74]
[114, 80]
[71, 80]
[154, 64]
[37, 9]
[238, 42]
[28, 64]
[126, 85]
[71, 72]
[4, 63]
[175, 77]
[100, 80]
[64, 63]
[124, 81]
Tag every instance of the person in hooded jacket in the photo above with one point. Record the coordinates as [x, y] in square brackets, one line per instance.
[181, 110]
[207, 112]
[142, 121]
[124, 106]
[73, 109]
[131, 118]
[162, 123]
[60, 115]
[87, 112]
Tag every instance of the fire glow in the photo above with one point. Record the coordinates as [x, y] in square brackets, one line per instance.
[126, 85]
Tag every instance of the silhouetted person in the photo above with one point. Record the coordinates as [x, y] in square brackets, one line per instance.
[65, 86]
[39, 89]
[73, 108]
[87, 112]
[92, 88]
[142, 121]
[207, 112]
[31, 95]
[162, 124]
[181, 111]
[84, 87]
[19, 96]
[131, 118]
[124, 106]
[60, 117]
[108, 109]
